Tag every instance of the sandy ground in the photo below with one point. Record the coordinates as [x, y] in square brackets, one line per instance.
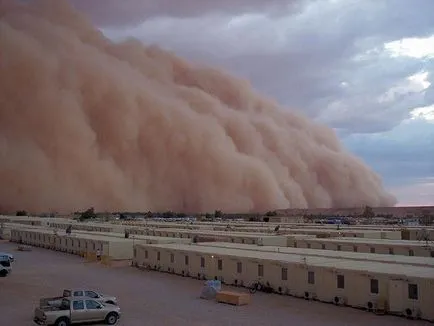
[152, 298]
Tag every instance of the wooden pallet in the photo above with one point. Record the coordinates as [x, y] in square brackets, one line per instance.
[234, 298]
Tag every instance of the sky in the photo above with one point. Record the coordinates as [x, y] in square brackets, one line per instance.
[364, 68]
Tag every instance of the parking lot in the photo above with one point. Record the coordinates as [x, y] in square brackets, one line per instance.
[152, 298]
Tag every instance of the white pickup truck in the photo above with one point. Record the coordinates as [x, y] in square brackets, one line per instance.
[77, 310]
[72, 293]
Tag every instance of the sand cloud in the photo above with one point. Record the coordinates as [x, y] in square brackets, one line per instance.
[122, 126]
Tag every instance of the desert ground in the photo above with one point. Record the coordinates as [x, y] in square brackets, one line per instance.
[152, 298]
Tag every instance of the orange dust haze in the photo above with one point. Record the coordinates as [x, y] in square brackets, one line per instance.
[88, 122]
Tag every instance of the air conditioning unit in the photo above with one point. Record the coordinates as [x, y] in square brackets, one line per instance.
[340, 301]
[412, 313]
[371, 306]
[260, 242]
[310, 295]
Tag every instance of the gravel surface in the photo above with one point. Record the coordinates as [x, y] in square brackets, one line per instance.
[152, 298]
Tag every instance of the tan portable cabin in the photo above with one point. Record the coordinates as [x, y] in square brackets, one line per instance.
[226, 236]
[111, 246]
[375, 246]
[404, 260]
[394, 288]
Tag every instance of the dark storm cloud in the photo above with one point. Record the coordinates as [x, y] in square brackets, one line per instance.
[130, 12]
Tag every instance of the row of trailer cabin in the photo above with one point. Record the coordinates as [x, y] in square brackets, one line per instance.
[206, 236]
[391, 288]
[309, 241]
[373, 246]
[111, 247]
[362, 231]
[404, 260]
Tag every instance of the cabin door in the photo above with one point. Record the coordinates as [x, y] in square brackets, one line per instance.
[396, 295]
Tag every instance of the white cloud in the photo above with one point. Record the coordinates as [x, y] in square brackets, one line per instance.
[426, 113]
[419, 48]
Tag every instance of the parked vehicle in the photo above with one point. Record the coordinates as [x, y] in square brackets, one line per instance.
[77, 310]
[5, 265]
[57, 301]
[10, 256]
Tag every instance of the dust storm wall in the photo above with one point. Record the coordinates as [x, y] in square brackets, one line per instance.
[88, 122]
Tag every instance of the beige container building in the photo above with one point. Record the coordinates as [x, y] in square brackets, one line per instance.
[227, 236]
[375, 246]
[111, 246]
[403, 260]
[393, 288]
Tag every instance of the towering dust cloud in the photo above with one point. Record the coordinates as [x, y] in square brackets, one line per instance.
[88, 122]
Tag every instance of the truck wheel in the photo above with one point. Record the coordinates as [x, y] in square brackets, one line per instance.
[3, 273]
[112, 318]
[62, 322]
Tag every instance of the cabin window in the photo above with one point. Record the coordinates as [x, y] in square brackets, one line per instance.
[340, 281]
[172, 258]
[202, 262]
[323, 246]
[242, 241]
[432, 253]
[308, 246]
[92, 305]
[372, 250]
[239, 267]
[311, 277]
[146, 254]
[339, 248]
[232, 239]
[158, 255]
[186, 260]
[374, 286]
[260, 270]
[355, 248]
[411, 252]
[220, 264]
[413, 292]
[391, 252]
[91, 294]
[295, 244]
[78, 305]
[284, 274]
